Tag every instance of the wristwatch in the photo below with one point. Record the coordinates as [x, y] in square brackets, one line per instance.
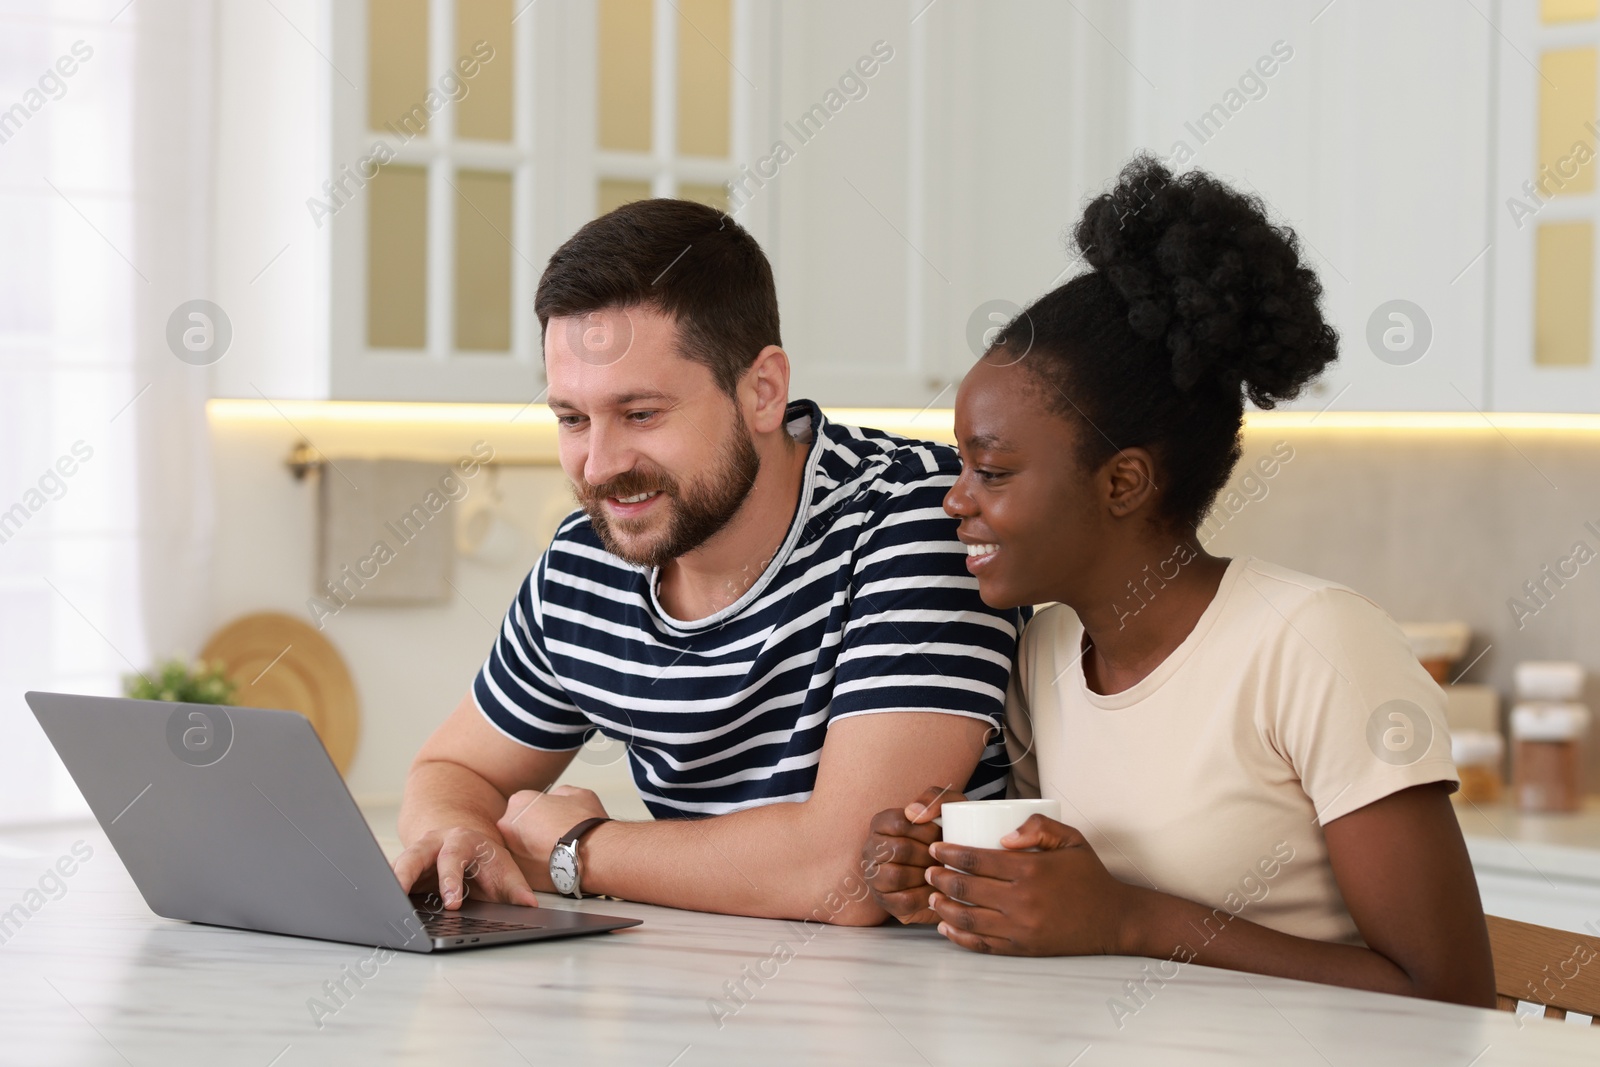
[565, 871]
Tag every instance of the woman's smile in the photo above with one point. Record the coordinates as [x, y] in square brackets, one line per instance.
[980, 555]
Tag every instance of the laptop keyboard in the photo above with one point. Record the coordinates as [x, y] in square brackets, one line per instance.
[459, 925]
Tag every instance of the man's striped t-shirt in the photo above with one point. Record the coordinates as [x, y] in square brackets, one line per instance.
[866, 608]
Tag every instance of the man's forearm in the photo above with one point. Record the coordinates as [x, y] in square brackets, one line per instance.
[442, 794]
[783, 861]
[774, 861]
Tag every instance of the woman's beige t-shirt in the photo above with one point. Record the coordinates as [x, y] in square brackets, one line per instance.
[1293, 702]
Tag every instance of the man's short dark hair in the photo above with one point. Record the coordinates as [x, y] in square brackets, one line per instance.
[685, 259]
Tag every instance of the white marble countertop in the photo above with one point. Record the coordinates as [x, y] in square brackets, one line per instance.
[94, 978]
[1562, 846]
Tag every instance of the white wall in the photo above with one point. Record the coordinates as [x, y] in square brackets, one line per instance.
[270, 258]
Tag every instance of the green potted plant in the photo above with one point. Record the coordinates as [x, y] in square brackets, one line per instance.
[181, 682]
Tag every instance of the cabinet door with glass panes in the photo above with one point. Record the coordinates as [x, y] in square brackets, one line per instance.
[1546, 207]
[471, 137]
[831, 130]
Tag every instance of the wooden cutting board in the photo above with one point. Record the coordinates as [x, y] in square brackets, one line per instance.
[278, 661]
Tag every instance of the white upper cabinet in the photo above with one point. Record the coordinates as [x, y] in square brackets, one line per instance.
[378, 172]
[432, 214]
[1364, 127]
[935, 154]
[1544, 208]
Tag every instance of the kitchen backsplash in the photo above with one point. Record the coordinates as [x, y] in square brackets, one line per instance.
[1443, 525]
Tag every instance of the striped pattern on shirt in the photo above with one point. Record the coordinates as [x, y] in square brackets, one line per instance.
[867, 608]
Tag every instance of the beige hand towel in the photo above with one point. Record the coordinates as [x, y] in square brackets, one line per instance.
[387, 531]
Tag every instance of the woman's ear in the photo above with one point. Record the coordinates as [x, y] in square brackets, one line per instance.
[1129, 481]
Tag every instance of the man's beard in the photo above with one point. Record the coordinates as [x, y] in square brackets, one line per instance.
[698, 512]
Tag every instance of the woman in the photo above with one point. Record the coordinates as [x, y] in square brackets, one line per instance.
[1253, 768]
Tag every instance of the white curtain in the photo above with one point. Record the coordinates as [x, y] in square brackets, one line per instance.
[105, 130]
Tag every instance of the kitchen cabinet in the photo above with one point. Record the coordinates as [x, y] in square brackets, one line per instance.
[939, 197]
[1544, 194]
[1363, 125]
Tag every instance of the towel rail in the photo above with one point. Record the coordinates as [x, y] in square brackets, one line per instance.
[303, 458]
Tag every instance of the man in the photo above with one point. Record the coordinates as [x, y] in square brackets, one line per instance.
[770, 610]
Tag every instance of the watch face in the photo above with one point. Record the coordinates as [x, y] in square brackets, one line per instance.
[564, 869]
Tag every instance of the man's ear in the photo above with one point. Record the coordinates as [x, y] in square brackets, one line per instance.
[1128, 479]
[764, 390]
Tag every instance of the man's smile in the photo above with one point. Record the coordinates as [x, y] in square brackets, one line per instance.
[626, 507]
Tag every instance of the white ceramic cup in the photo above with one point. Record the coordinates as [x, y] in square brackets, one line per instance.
[982, 823]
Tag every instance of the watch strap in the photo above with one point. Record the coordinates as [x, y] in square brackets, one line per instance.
[572, 835]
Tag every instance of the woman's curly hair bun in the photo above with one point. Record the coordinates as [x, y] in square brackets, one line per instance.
[1205, 273]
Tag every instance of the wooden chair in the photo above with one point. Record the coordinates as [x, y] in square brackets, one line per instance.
[1558, 969]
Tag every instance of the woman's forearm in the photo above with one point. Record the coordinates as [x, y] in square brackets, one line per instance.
[1180, 932]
